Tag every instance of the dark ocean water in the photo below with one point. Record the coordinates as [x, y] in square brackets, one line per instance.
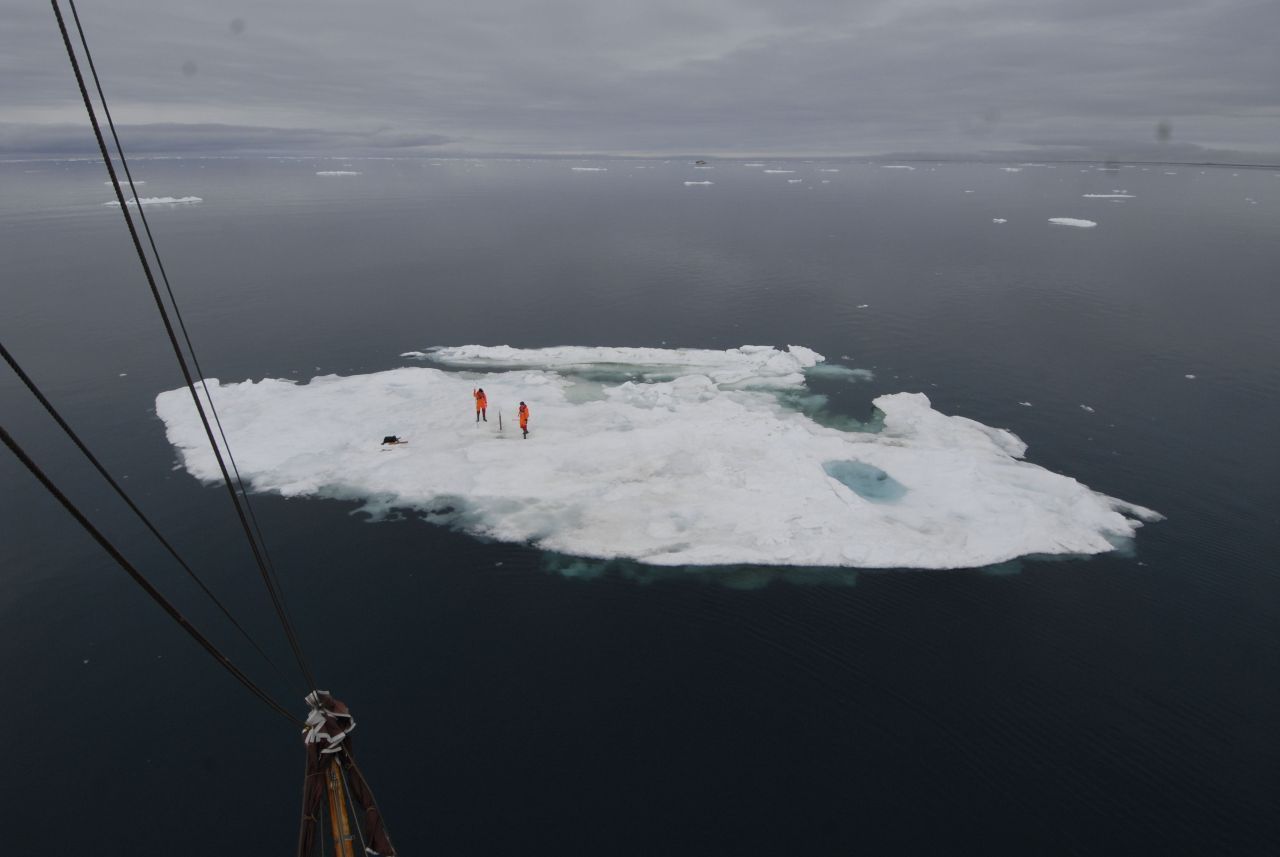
[1121, 704]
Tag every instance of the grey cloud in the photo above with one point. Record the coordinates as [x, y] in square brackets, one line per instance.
[719, 76]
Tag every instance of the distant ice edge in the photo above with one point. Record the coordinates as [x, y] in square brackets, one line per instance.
[670, 457]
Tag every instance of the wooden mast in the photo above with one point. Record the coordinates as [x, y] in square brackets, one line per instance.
[339, 821]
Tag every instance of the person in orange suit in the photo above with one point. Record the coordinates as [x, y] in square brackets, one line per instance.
[524, 419]
[482, 405]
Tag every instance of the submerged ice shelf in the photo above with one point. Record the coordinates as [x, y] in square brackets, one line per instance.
[668, 456]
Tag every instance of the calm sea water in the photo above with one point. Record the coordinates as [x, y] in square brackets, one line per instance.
[1115, 705]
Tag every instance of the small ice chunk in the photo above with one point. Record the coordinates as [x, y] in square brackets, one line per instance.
[1072, 221]
[896, 167]
[829, 170]
[1012, 169]
[753, 165]
[338, 173]
[1086, 408]
[691, 184]
[968, 191]
[123, 375]
[863, 306]
[794, 181]
[1115, 195]
[1189, 377]
[1025, 404]
[590, 169]
[999, 220]
[160, 200]
[779, 172]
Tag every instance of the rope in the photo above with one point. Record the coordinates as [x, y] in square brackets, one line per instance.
[48, 406]
[142, 581]
[173, 301]
[182, 363]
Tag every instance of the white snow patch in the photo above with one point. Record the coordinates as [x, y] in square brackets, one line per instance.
[338, 173]
[709, 467]
[689, 184]
[160, 200]
[1072, 221]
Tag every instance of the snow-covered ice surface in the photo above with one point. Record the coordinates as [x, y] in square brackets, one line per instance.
[338, 172]
[160, 200]
[1072, 221]
[667, 456]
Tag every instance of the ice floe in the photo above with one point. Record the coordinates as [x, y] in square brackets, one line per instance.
[689, 184]
[160, 200]
[338, 173]
[1072, 221]
[667, 456]
[1107, 195]
[896, 167]
[999, 220]
[779, 172]
[590, 169]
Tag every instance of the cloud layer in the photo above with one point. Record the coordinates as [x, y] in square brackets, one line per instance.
[718, 76]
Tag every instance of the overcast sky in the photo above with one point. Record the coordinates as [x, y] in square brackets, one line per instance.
[714, 77]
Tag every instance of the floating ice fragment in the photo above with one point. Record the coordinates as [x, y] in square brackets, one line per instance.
[590, 169]
[1086, 408]
[1012, 169]
[338, 173]
[1189, 377]
[689, 184]
[711, 465]
[794, 181]
[999, 220]
[863, 306]
[1107, 195]
[160, 200]
[779, 172]
[896, 167]
[753, 165]
[828, 170]
[1072, 221]
[1025, 404]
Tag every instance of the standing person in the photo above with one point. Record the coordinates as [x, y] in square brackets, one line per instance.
[482, 404]
[524, 419]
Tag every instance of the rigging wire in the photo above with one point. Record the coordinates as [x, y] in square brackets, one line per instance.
[142, 581]
[272, 589]
[173, 300]
[57, 417]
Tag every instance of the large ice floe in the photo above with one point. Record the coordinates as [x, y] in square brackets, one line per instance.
[667, 456]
